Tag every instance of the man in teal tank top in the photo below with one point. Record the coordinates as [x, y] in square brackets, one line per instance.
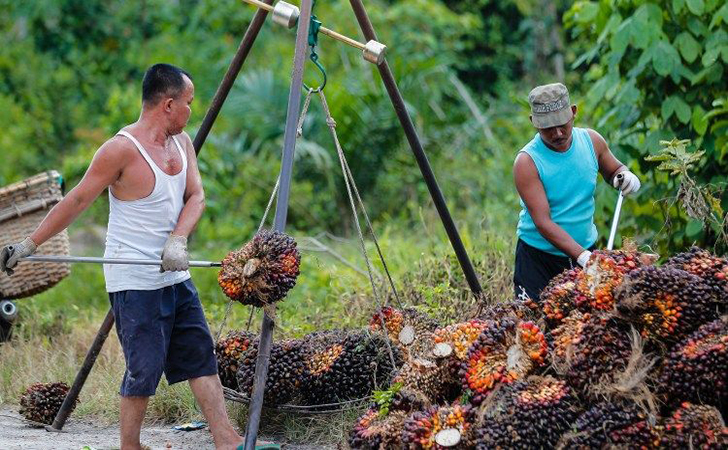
[556, 175]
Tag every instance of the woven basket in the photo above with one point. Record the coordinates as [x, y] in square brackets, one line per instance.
[23, 206]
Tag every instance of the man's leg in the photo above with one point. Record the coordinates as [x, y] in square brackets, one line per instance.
[208, 393]
[131, 418]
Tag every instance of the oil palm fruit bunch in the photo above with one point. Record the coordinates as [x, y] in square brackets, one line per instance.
[697, 368]
[346, 367]
[262, 271]
[561, 295]
[531, 413]
[440, 427]
[667, 303]
[694, 426]
[228, 351]
[409, 329]
[374, 431]
[41, 401]
[599, 349]
[603, 273]
[506, 351]
[433, 379]
[568, 331]
[456, 339]
[516, 309]
[712, 269]
[285, 371]
[607, 424]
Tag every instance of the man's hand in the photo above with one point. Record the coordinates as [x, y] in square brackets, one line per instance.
[627, 182]
[174, 255]
[11, 254]
[583, 258]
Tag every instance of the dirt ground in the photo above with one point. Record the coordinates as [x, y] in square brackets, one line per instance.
[17, 434]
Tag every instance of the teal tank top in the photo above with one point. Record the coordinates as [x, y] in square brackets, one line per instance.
[569, 179]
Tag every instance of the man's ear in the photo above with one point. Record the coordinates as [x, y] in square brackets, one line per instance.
[573, 110]
[530, 117]
[168, 104]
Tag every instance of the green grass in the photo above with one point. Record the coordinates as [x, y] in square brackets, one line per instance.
[56, 328]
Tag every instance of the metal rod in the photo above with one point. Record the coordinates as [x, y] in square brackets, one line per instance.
[95, 260]
[615, 221]
[229, 79]
[279, 224]
[328, 32]
[93, 352]
[414, 142]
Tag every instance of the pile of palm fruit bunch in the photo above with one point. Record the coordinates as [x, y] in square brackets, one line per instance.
[228, 351]
[408, 329]
[625, 353]
[40, 402]
[262, 271]
[285, 371]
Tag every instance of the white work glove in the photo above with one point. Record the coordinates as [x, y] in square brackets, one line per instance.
[627, 182]
[174, 255]
[11, 254]
[583, 258]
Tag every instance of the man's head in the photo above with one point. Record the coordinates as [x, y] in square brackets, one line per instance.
[552, 114]
[168, 90]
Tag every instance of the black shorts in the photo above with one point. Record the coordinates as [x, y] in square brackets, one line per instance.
[162, 331]
[535, 268]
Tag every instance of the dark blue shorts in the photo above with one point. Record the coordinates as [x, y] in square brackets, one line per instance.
[162, 331]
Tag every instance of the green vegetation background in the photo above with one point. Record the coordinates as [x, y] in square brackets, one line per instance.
[640, 71]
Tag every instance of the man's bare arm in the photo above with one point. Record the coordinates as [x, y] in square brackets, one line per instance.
[609, 165]
[194, 194]
[531, 190]
[104, 170]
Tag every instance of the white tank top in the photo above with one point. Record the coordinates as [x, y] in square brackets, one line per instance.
[139, 228]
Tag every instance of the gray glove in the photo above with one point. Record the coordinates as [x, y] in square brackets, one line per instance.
[174, 255]
[11, 254]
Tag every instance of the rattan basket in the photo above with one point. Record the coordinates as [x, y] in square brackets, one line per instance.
[23, 206]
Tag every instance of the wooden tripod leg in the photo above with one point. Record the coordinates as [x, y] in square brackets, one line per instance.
[93, 352]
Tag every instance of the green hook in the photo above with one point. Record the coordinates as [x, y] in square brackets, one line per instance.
[313, 31]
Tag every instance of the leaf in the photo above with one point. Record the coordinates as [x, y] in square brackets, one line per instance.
[688, 46]
[682, 109]
[677, 6]
[699, 122]
[667, 109]
[720, 16]
[696, 7]
[620, 39]
[664, 58]
[587, 12]
[693, 228]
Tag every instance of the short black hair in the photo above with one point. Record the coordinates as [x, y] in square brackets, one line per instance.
[162, 80]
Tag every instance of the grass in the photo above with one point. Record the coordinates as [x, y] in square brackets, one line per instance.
[57, 327]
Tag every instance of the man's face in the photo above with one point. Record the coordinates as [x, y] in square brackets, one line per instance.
[559, 138]
[180, 107]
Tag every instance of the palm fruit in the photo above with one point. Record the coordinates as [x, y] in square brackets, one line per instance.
[667, 303]
[712, 269]
[346, 367]
[262, 271]
[459, 337]
[597, 351]
[41, 401]
[569, 330]
[516, 309]
[531, 413]
[228, 351]
[285, 371]
[504, 352]
[559, 297]
[696, 369]
[434, 380]
[373, 431]
[694, 426]
[603, 273]
[440, 427]
[409, 329]
[606, 425]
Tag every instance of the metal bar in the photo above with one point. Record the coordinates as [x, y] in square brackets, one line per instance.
[95, 260]
[615, 221]
[420, 156]
[88, 364]
[279, 224]
[229, 79]
[328, 32]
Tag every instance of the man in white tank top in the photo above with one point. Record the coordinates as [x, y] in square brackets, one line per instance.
[156, 199]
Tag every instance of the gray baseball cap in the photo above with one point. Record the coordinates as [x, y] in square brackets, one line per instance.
[550, 106]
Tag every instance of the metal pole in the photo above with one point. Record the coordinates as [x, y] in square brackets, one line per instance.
[232, 73]
[88, 364]
[279, 224]
[414, 142]
[95, 260]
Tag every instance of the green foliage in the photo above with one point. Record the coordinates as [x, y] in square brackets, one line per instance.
[655, 70]
[383, 399]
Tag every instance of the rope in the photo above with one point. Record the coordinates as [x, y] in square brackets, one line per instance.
[273, 196]
[347, 181]
[324, 408]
